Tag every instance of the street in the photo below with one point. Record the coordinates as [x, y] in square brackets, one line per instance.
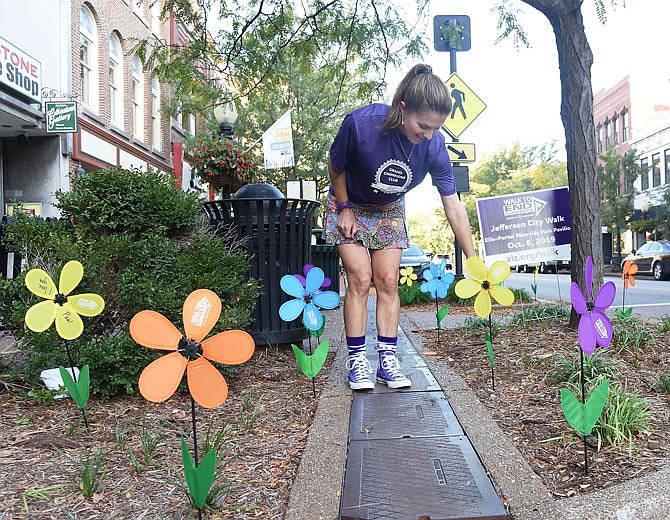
[648, 297]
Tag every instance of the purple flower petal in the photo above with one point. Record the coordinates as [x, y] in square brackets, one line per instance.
[578, 301]
[602, 328]
[587, 340]
[588, 273]
[301, 278]
[605, 296]
[307, 268]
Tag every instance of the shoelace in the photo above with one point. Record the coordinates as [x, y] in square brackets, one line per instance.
[391, 366]
[360, 365]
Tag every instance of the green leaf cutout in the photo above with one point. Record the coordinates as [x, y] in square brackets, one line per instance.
[200, 479]
[489, 347]
[533, 287]
[583, 416]
[441, 314]
[79, 390]
[624, 314]
[311, 365]
[317, 333]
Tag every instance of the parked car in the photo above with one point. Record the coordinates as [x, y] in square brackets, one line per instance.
[652, 258]
[415, 257]
[437, 259]
[548, 266]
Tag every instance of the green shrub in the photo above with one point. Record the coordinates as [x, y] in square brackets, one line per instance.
[663, 382]
[144, 244]
[410, 294]
[540, 312]
[597, 366]
[634, 335]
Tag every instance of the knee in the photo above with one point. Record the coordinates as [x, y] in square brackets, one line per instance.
[359, 283]
[387, 281]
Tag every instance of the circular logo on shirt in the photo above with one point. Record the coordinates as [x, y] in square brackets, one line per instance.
[392, 177]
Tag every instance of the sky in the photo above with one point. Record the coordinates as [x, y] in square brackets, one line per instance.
[521, 88]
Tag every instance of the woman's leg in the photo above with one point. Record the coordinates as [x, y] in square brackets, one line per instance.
[356, 263]
[385, 265]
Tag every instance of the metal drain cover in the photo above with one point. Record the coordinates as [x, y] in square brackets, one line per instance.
[402, 415]
[434, 478]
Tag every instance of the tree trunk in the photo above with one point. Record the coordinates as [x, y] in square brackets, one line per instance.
[575, 60]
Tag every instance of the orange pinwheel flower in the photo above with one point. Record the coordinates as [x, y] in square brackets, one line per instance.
[160, 379]
[629, 269]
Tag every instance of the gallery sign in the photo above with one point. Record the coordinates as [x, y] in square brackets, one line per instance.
[20, 72]
[61, 116]
[526, 228]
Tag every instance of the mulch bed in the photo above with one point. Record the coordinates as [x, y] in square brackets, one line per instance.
[526, 400]
[268, 414]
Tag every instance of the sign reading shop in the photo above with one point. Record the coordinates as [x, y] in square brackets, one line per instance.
[20, 72]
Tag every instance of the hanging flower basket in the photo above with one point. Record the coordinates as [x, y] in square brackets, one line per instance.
[221, 162]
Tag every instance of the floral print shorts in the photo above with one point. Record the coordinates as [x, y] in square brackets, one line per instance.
[380, 227]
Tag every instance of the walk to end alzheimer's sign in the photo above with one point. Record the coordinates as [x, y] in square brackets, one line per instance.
[278, 143]
[525, 228]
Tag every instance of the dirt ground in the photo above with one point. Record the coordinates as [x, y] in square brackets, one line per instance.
[266, 420]
[526, 399]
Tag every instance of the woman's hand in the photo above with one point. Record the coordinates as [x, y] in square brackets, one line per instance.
[346, 223]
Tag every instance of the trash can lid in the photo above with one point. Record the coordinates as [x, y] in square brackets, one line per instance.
[258, 191]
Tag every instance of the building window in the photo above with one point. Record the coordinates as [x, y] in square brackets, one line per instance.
[656, 169]
[624, 118]
[137, 98]
[667, 165]
[156, 137]
[607, 135]
[616, 130]
[600, 139]
[155, 10]
[115, 80]
[644, 175]
[88, 59]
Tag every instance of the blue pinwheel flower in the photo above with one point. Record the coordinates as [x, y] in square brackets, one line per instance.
[308, 299]
[437, 280]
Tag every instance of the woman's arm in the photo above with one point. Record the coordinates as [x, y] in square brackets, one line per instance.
[346, 222]
[459, 222]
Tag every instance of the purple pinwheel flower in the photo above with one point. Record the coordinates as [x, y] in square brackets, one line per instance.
[308, 299]
[306, 269]
[437, 280]
[594, 326]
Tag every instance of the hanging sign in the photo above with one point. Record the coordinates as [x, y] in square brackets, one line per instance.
[278, 143]
[61, 116]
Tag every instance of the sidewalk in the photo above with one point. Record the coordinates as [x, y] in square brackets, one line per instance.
[321, 476]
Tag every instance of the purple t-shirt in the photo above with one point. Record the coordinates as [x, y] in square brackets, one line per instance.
[382, 166]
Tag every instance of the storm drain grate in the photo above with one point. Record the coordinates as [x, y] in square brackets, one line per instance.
[433, 478]
[403, 415]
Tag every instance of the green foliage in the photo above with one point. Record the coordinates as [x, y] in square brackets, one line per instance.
[144, 244]
[251, 410]
[540, 312]
[664, 323]
[597, 366]
[474, 324]
[410, 294]
[626, 414]
[92, 469]
[663, 382]
[633, 335]
[520, 294]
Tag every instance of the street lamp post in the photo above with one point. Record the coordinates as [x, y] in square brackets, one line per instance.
[226, 115]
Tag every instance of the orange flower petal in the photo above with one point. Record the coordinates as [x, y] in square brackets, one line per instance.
[231, 347]
[202, 309]
[160, 379]
[206, 384]
[153, 330]
[631, 280]
[633, 269]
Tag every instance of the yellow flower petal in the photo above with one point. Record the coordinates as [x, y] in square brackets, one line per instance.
[68, 322]
[502, 295]
[70, 277]
[409, 281]
[40, 284]
[467, 287]
[41, 315]
[499, 271]
[87, 304]
[483, 304]
[476, 268]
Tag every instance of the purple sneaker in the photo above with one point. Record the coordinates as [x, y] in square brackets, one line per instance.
[389, 371]
[359, 372]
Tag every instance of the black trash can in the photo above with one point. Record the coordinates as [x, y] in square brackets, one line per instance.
[325, 256]
[277, 231]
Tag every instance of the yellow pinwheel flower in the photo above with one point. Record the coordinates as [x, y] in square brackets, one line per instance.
[407, 276]
[58, 305]
[484, 285]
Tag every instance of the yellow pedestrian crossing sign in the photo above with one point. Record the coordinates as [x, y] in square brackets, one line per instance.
[466, 106]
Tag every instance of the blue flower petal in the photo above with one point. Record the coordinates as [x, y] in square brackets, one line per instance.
[291, 309]
[292, 286]
[311, 317]
[326, 299]
[441, 289]
[314, 279]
